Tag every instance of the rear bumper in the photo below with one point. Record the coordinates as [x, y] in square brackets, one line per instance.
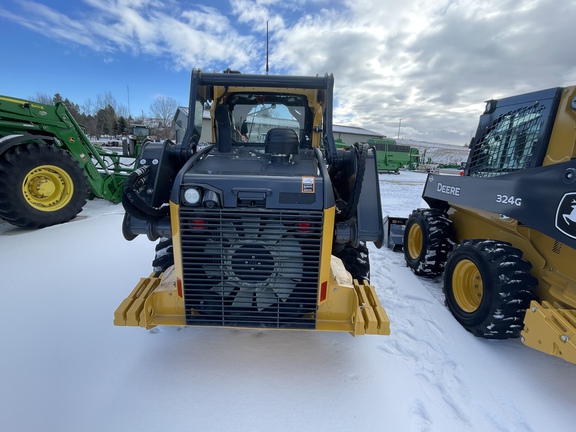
[551, 330]
[153, 301]
[352, 307]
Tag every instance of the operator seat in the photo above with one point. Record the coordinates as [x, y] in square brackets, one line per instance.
[281, 141]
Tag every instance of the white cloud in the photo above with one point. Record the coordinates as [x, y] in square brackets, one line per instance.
[50, 23]
[430, 63]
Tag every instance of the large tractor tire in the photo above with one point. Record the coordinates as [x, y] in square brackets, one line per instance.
[488, 287]
[428, 239]
[40, 185]
[128, 147]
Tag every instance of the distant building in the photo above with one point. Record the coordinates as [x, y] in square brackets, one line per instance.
[180, 122]
[351, 134]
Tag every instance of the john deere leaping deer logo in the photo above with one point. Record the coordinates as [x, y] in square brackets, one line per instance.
[571, 218]
[566, 215]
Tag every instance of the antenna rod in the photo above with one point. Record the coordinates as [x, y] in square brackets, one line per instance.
[128, 90]
[267, 68]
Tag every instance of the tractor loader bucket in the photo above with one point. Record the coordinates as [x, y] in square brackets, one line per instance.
[349, 306]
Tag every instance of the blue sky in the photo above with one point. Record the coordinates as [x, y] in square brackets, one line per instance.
[431, 64]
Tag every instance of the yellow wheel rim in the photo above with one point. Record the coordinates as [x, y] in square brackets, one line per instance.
[467, 286]
[414, 241]
[48, 188]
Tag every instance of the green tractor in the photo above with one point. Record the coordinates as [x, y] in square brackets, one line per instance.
[49, 167]
[132, 143]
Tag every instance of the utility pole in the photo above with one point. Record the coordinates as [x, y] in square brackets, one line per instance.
[399, 124]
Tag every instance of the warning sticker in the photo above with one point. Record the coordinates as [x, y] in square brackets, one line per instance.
[307, 184]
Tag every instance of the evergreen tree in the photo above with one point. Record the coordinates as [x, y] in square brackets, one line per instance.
[73, 108]
[121, 126]
[106, 120]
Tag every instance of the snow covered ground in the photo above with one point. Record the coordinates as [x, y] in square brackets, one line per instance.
[65, 368]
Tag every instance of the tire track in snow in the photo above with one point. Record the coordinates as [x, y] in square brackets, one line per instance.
[418, 340]
[424, 346]
[420, 420]
[512, 419]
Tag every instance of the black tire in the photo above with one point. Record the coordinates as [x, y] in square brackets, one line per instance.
[428, 239]
[356, 261]
[488, 288]
[40, 185]
[164, 257]
[128, 147]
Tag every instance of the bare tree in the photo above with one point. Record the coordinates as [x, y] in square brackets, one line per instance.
[122, 111]
[163, 110]
[105, 99]
[88, 117]
[42, 98]
[88, 107]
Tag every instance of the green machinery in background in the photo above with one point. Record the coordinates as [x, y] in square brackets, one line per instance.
[132, 143]
[391, 156]
[49, 167]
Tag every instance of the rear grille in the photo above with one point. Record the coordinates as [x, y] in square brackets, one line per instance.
[250, 268]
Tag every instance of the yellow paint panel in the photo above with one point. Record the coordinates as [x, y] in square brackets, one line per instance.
[551, 330]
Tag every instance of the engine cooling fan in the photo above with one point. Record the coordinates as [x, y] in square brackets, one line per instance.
[258, 266]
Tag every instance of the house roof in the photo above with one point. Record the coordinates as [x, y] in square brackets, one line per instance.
[354, 130]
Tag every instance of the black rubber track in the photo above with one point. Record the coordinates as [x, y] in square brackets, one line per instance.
[164, 257]
[356, 261]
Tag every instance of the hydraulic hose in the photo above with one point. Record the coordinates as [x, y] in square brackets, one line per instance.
[360, 151]
[133, 203]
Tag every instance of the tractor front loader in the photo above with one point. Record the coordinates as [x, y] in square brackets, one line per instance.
[503, 235]
[258, 229]
[48, 167]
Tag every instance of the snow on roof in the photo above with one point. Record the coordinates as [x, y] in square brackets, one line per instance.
[354, 130]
